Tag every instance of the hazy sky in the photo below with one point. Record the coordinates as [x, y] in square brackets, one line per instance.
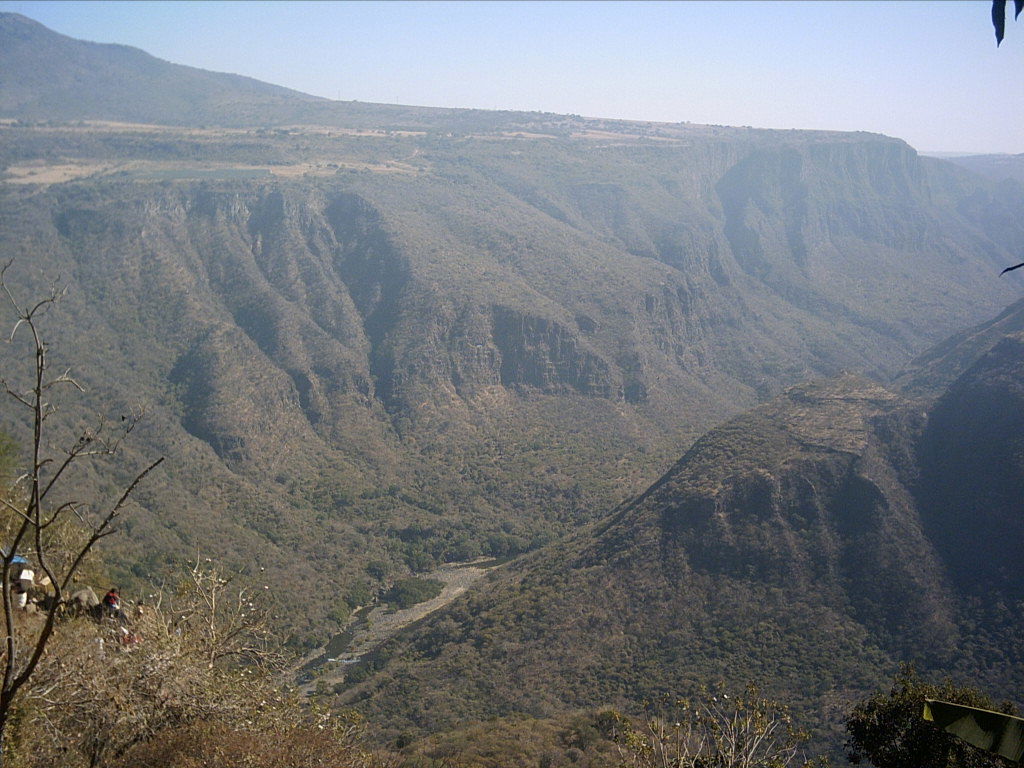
[928, 72]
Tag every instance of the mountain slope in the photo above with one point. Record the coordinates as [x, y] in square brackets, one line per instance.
[45, 75]
[807, 545]
[997, 167]
[770, 552]
[972, 479]
[932, 372]
[48, 76]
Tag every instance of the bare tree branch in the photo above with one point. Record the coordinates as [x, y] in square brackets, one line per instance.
[32, 522]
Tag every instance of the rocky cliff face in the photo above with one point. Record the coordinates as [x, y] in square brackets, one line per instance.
[535, 352]
[498, 328]
[369, 300]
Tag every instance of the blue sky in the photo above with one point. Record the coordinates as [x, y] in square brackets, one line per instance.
[928, 72]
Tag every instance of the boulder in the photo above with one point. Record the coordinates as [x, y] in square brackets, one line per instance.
[83, 601]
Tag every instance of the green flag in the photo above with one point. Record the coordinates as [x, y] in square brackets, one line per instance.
[982, 728]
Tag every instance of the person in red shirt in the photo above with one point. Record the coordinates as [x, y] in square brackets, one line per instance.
[112, 603]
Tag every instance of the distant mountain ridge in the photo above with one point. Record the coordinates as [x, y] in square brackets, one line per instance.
[997, 167]
[46, 75]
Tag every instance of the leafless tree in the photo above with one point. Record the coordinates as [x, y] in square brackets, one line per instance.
[713, 731]
[198, 653]
[227, 622]
[31, 521]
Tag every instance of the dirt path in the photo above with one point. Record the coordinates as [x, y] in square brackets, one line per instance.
[372, 627]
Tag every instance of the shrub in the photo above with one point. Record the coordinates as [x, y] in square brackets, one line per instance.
[408, 592]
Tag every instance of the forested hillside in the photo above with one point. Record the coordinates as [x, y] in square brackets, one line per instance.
[808, 546]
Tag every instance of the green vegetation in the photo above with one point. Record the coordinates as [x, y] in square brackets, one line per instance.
[90, 684]
[888, 731]
[407, 592]
[59, 535]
